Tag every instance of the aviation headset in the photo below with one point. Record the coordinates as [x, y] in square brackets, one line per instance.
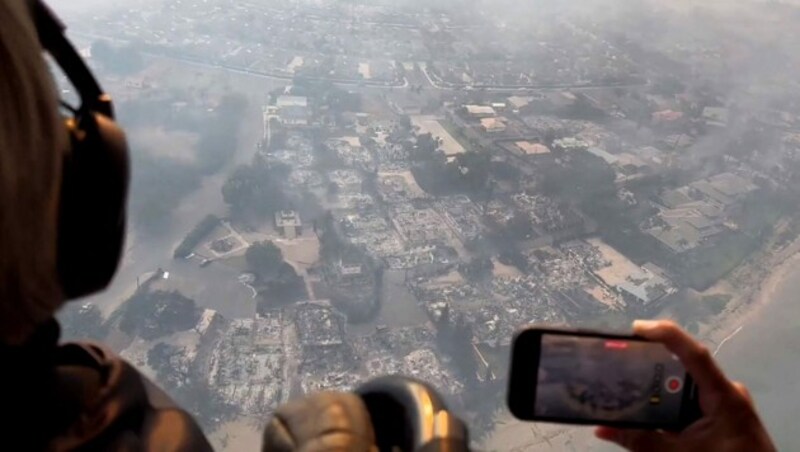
[95, 175]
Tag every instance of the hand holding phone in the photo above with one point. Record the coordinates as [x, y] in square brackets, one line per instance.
[726, 419]
[729, 419]
[599, 379]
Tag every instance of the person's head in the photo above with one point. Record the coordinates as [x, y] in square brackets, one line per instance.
[32, 142]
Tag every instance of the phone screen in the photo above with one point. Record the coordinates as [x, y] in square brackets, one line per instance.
[602, 379]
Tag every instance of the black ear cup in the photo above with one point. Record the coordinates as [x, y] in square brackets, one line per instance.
[92, 211]
[95, 176]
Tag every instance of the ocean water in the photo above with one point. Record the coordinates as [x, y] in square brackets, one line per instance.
[765, 356]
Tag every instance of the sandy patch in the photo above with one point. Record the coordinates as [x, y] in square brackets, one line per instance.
[354, 142]
[744, 308]
[365, 70]
[603, 295]
[451, 278]
[302, 252]
[531, 148]
[505, 271]
[296, 63]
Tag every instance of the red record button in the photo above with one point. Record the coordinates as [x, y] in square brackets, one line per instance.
[674, 385]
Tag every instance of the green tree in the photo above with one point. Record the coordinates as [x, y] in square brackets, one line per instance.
[82, 321]
[471, 171]
[340, 100]
[693, 310]
[520, 227]
[200, 231]
[506, 171]
[151, 315]
[333, 189]
[668, 85]
[405, 122]
[265, 260]
[479, 268]
[256, 189]
[584, 109]
[583, 178]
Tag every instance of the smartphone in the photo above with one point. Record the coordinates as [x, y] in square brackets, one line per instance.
[580, 377]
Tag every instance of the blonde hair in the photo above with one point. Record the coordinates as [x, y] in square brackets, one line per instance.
[32, 140]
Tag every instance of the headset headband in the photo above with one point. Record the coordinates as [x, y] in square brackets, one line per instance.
[52, 38]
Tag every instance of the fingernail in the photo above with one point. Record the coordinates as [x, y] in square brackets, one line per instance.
[644, 324]
[606, 433]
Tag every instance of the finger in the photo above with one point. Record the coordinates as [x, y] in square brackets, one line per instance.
[743, 391]
[636, 440]
[695, 357]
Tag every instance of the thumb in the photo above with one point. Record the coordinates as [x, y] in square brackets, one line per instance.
[635, 440]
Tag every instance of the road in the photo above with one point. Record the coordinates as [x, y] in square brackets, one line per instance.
[272, 76]
[291, 353]
[433, 84]
[403, 85]
[525, 88]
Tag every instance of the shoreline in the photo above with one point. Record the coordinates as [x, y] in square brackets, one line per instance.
[745, 306]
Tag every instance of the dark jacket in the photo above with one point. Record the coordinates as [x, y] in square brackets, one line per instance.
[84, 397]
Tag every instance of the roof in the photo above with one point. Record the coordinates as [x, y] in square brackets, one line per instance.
[530, 148]
[700, 222]
[717, 116]
[724, 188]
[625, 159]
[570, 143]
[608, 157]
[667, 116]
[561, 98]
[353, 142]
[519, 101]
[731, 184]
[493, 124]
[679, 238]
[711, 192]
[650, 153]
[678, 141]
[295, 113]
[292, 101]
[287, 218]
[646, 287]
[480, 110]
[675, 198]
